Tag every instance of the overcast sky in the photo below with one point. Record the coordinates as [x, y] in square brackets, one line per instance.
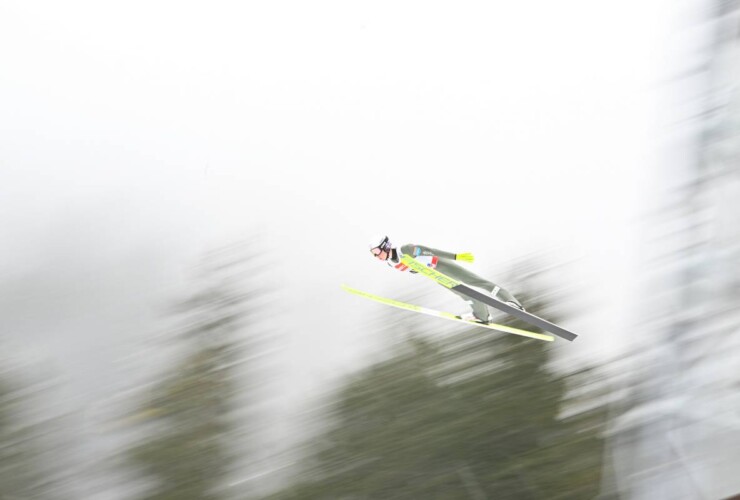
[134, 136]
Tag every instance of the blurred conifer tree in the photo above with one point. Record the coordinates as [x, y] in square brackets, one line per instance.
[187, 421]
[475, 415]
[22, 474]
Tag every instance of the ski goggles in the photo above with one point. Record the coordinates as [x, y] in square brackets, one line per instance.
[383, 246]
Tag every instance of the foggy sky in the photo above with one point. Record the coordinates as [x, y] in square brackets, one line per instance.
[136, 136]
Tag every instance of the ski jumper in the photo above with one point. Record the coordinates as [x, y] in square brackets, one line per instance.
[444, 263]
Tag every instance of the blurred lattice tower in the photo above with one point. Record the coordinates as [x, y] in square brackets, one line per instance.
[676, 434]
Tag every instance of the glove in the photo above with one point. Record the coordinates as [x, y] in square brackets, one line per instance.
[465, 257]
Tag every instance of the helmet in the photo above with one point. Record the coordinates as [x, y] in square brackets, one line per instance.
[384, 245]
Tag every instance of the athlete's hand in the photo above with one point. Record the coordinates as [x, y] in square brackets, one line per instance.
[465, 257]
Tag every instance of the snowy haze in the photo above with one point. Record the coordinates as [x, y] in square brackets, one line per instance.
[137, 135]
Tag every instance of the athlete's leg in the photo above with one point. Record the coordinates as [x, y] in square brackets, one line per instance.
[471, 279]
[480, 310]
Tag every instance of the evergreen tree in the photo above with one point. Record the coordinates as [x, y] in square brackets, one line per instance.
[185, 452]
[187, 419]
[477, 415]
[21, 470]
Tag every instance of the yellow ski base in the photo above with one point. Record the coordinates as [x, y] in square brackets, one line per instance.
[450, 316]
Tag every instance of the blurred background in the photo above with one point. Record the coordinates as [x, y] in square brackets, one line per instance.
[185, 186]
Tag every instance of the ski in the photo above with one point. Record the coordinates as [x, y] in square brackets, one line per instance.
[446, 315]
[460, 287]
